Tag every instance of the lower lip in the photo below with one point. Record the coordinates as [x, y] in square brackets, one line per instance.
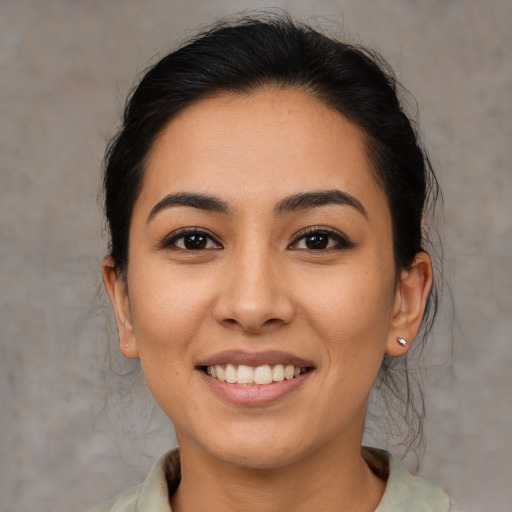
[254, 395]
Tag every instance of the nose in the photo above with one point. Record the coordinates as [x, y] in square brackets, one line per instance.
[254, 297]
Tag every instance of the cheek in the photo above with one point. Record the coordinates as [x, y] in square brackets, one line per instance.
[167, 309]
[166, 316]
[351, 309]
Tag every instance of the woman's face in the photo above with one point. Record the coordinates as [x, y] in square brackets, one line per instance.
[260, 249]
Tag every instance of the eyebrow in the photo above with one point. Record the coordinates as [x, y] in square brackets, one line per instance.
[194, 200]
[300, 201]
[308, 200]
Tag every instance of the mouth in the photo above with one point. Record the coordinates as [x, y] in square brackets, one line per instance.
[261, 375]
[254, 379]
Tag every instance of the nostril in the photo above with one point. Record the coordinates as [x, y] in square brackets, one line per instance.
[272, 321]
[252, 326]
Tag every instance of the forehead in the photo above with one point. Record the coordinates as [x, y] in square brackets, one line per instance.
[267, 144]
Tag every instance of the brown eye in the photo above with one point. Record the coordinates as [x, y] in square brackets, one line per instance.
[195, 242]
[191, 241]
[316, 241]
[321, 240]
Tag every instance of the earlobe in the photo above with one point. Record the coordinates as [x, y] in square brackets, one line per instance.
[411, 298]
[117, 291]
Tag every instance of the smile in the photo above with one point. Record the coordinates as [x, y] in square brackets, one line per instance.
[245, 375]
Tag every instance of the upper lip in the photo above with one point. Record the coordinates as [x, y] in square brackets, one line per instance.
[270, 357]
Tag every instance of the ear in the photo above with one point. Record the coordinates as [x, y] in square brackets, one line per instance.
[115, 284]
[411, 297]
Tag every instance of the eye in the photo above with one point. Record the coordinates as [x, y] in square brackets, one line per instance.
[191, 240]
[320, 239]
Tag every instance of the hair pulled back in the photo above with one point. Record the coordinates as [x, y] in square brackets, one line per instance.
[251, 53]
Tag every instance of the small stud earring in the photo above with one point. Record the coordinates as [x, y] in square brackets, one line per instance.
[126, 345]
[402, 341]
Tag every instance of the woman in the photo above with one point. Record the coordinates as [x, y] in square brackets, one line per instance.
[265, 200]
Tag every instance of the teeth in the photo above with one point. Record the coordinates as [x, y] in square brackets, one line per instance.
[221, 373]
[244, 375]
[278, 373]
[289, 372]
[262, 375]
[230, 374]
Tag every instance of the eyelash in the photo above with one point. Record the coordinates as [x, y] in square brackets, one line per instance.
[342, 242]
[170, 241]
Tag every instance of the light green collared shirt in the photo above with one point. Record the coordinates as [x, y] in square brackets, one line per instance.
[404, 492]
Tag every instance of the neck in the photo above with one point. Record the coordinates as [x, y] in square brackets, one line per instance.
[333, 478]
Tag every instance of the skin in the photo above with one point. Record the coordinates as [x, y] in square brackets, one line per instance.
[256, 286]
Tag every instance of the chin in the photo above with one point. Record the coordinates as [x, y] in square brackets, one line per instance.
[258, 451]
[258, 457]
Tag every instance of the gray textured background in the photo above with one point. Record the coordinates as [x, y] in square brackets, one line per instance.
[72, 432]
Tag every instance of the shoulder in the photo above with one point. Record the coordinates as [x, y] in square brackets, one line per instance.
[152, 494]
[124, 502]
[405, 492]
